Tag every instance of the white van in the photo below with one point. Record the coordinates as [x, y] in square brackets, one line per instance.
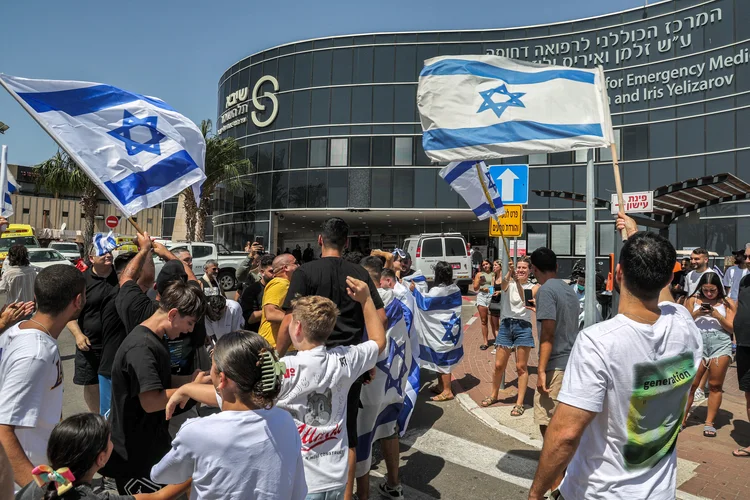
[427, 249]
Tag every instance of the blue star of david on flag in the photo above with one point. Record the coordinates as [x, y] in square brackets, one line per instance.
[514, 99]
[385, 365]
[129, 122]
[449, 326]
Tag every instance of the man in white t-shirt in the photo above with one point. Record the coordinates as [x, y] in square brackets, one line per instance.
[699, 263]
[31, 377]
[317, 381]
[625, 388]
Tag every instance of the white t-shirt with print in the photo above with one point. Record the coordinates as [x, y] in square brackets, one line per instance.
[236, 454]
[31, 388]
[314, 390]
[636, 378]
[231, 321]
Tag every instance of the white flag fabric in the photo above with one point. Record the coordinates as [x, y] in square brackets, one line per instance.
[437, 318]
[419, 280]
[138, 150]
[12, 187]
[383, 399]
[464, 178]
[480, 107]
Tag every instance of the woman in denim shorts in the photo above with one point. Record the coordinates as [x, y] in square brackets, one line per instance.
[514, 333]
[713, 313]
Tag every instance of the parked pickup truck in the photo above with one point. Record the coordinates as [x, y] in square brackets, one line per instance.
[202, 252]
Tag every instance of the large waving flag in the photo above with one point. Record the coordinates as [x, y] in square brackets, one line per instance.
[137, 149]
[473, 182]
[12, 187]
[486, 107]
[437, 318]
[383, 400]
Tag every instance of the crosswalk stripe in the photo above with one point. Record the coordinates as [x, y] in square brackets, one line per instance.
[516, 470]
[409, 492]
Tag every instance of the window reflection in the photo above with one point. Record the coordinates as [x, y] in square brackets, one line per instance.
[339, 150]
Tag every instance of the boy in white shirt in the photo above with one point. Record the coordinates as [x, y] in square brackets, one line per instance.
[316, 383]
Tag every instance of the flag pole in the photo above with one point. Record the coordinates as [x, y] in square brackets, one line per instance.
[3, 177]
[618, 184]
[492, 204]
[135, 225]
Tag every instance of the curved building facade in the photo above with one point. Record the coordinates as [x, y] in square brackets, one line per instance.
[332, 127]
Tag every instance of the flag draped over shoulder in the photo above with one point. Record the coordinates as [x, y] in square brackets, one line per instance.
[386, 408]
[437, 318]
[137, 149]
[487, 107]
[473, 182]
[419, 280]
[12, 187]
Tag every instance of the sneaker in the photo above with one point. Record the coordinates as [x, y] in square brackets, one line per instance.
[699, 395]
[391, 491]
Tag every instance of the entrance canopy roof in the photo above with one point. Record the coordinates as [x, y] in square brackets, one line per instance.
[673, 200]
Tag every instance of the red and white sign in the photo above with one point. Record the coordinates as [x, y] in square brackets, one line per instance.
[517, 248]
[635, 203]
[111, 221]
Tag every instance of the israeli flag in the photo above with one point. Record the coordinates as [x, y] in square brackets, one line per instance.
[486, 107]
[137, 149]
[419, 280]
[104, 244]
[7, 206]
[473, 182]
[385, 406]
[437, 318]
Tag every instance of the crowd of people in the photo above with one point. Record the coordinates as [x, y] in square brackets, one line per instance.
[191, 393]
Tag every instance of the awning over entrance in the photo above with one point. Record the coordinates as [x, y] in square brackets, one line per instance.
[674, 200]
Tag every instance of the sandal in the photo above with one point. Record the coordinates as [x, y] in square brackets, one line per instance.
[489, 401]
[709, 431]
[484, 347]
[517, 411]
[742, 452]
[441, 397]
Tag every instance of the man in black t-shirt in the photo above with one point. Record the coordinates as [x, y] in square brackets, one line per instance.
[101, 281]
[742, 336]
[251, 299]
[142, 383]
[134, 306]
[327, 277]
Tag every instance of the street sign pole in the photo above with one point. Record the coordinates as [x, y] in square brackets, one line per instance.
[504, 270]
[589, 311]
[3, 176]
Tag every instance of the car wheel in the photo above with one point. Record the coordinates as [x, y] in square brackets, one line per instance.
[227, 280]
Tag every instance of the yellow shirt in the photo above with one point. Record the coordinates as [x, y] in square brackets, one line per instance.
[274, 294]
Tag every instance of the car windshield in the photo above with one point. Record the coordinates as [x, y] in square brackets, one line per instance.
[45, 256]
[65, 247]
[27, 241]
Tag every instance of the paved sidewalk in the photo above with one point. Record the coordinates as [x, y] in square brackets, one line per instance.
[706, 467]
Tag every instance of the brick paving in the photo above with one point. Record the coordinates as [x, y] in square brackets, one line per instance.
[719, 475]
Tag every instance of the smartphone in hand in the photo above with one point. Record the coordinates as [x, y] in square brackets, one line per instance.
[528, 296]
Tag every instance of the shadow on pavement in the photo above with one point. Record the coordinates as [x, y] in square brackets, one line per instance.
[698, 417]
[468, 382]
[741, 433]
[519, 463]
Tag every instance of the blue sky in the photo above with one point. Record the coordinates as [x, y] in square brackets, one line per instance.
[178, 49]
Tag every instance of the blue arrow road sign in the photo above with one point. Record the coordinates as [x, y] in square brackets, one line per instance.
[512, 183]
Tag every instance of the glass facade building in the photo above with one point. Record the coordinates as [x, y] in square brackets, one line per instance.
[332, 127]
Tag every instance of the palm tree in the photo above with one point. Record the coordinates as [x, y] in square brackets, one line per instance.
[225, 166]
[60, 174]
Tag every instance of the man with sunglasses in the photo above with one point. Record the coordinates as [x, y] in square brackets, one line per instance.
[273, 297]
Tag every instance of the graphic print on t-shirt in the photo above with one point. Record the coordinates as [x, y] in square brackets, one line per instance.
[660, 390]
[319, 408]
